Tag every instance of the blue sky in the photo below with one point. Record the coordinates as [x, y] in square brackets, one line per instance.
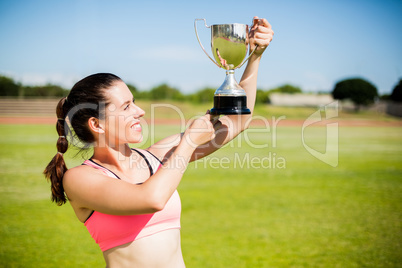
[316, 43]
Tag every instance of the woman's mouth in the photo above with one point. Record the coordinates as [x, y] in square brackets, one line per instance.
[136, 127]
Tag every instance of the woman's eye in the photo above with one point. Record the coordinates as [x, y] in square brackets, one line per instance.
[128, 105]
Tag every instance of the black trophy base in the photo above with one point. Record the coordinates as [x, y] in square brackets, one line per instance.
[230, 105]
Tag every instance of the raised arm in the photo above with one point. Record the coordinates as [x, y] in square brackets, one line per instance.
[261, 34]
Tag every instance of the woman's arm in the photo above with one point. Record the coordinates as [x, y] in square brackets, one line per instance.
[89, 189]
[230, 125]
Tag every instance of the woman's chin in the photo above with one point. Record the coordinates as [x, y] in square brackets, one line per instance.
[136, 140]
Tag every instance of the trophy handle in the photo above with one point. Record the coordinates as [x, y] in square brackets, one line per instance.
[196, 33]
[248, 57]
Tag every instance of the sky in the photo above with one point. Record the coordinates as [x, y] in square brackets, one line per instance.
[316, 43]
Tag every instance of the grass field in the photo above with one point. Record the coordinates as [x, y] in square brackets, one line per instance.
[274, 206]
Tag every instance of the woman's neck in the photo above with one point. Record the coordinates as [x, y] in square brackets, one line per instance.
[118, 156]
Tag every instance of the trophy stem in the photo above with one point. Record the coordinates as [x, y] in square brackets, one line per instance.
[230, 98]
[230, 87]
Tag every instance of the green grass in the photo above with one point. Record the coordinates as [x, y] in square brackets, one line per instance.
[189, 109]
[169, 109]
[299, 213]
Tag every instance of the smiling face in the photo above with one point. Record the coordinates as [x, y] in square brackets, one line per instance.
[122, 116]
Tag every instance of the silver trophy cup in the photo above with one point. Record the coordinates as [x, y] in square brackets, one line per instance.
[229, 44]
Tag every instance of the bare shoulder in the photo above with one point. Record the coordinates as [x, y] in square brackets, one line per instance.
[90, 188]
[87, 187]
[79, 177]
[78, 172]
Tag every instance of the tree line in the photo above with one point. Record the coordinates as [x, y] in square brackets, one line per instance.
[11, 88]
[358, 90]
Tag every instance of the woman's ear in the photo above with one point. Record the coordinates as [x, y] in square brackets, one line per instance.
[95, 125]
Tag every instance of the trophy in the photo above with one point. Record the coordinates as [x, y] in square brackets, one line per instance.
[229, 43]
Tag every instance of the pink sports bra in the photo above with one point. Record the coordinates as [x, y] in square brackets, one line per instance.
[110, 231]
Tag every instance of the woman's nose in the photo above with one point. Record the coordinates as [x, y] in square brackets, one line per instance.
[138, 111]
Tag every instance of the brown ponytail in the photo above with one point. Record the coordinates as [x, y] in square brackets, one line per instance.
[83, 103]
[57, 167]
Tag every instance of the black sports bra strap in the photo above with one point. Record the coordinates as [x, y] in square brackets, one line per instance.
[146, 160]
[155, 157]
[90, 159]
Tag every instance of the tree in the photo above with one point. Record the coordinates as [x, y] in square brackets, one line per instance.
[262, 96]
[359, 91]
[164, 92]
[396, 94]
[203, 95]
[48, 90]
[286, 89]
[8, 87]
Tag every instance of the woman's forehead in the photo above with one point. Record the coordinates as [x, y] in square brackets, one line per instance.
[119, 93]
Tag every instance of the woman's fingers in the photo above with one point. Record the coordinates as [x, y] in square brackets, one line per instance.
[262, 33]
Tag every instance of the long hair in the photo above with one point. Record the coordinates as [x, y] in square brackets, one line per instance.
[87, 95]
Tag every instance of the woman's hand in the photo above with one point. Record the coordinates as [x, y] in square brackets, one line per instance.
[202, 130]
[261, 34]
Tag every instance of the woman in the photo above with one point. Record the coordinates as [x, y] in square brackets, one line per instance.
[127, 197]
